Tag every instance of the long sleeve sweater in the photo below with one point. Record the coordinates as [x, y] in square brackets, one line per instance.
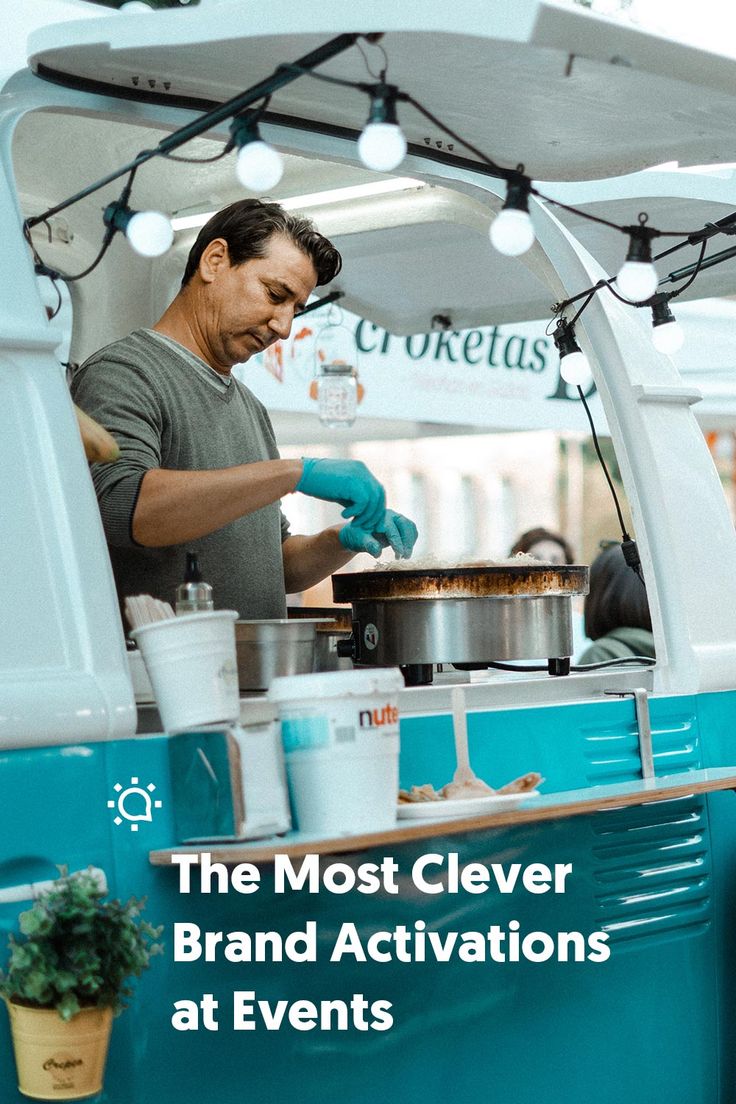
[167, 409]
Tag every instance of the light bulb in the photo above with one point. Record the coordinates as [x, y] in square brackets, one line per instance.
[382, 146]
[512, 232]
[575, 369]
[259, 166]
[668, 337]
[150, 233]
[135, 6]
[637, 280]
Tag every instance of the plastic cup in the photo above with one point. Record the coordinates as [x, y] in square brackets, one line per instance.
[192, 667]
[341, 742]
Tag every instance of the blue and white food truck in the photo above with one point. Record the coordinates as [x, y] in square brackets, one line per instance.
[485, 990]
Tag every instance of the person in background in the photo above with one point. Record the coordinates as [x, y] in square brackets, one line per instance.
[544, 545]
[549, 547]
[199, 468]
[616, 612]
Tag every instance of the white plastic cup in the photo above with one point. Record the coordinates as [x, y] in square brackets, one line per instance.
[340, 732]
[192, 666]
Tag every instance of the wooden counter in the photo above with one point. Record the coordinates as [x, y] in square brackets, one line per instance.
[556, 806]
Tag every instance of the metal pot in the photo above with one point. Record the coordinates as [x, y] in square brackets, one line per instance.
[470, 615]
[333, 624]
[266, 649]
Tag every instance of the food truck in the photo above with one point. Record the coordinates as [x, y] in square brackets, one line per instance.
[628, 845]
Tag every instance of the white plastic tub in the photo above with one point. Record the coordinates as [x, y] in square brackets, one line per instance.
[341, 740]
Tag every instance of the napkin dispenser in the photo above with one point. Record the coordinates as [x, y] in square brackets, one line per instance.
[229, 782]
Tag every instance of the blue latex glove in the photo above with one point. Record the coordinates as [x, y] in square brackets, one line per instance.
[358, 540]
[400, 532]
[395, 530]
[348, 482]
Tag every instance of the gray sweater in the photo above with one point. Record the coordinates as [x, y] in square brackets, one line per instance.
[168, 409]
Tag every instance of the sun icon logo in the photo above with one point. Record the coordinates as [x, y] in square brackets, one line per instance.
[140, 799]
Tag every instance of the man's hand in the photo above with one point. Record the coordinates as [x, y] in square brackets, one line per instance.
[400, 532]
[351, 484]
[394, 529]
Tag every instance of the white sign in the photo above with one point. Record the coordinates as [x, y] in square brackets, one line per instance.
[499, 377]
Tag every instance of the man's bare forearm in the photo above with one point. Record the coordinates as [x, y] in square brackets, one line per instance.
[178, 506]
[309, 559]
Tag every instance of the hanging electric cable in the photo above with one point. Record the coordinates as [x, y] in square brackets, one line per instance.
[628, 544]
[570, 352]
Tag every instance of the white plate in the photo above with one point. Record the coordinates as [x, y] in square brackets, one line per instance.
[466, 806]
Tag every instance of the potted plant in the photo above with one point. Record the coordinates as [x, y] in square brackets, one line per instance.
[66, 978]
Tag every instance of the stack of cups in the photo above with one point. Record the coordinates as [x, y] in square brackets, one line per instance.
[340, 732]
[193, 670]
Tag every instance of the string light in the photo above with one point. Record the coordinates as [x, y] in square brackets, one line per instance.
[259, 166]
[149, 232]
[637, 279]
[382, 145]
[512, 232]
[574, 366]
[667, 335]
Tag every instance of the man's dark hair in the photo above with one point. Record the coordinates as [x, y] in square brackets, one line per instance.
[617, 597]
[248, 225]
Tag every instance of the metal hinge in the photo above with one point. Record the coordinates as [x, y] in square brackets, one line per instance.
[643, 722]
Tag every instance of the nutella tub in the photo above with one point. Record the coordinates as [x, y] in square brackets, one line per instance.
[340, 732]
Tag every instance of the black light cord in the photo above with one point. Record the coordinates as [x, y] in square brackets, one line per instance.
[382, 75]
[227, 148]
[628, 545]
[106, 243]
[597, 447]
[252, 116]
[42, 269]
[696, 271]
[514, 174]
[281, 76]
[691, 271]
[305, 66]
[575, 317]
[509, 175]
[59, 301]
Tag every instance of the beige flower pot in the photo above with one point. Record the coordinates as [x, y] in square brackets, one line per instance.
[59, 1060]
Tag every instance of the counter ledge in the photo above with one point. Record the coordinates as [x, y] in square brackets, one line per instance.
[556, 806]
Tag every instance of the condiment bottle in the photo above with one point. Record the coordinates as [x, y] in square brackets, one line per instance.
[193, 594]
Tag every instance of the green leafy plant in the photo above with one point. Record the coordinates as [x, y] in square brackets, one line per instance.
[78, 950]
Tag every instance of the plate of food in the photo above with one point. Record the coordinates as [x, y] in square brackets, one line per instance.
[455, 800]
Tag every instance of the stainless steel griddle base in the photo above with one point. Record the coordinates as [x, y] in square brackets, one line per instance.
[461, 630]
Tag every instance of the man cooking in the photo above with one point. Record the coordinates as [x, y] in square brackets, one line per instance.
[199, 467]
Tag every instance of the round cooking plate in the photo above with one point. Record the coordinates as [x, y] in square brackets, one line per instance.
[472, 581]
